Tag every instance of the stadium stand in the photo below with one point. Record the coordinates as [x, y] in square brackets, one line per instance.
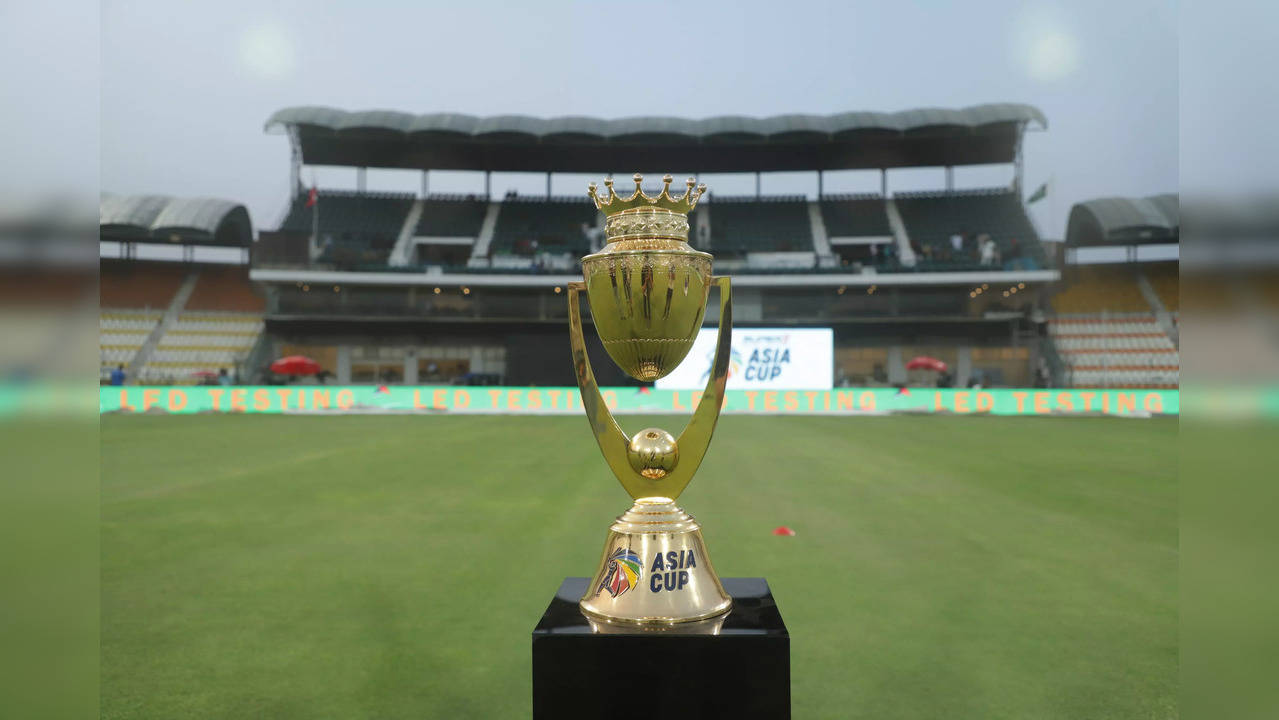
[216, 327]
[225, 289]
[1166, 281]
[855, 216]
[1100, 288]
[132, 297]
[121, 334]
[1106, 331]
[529, 225]
[444, 216]
[355, 228]
[140, 286]
[769, 224]
[932, 217]
[202, 342]
[850, 221]
[790, 248]
[1116, 350]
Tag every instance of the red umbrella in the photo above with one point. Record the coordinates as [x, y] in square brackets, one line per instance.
[923, 362]
[295, 365]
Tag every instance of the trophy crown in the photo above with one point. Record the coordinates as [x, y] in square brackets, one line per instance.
[612, 204]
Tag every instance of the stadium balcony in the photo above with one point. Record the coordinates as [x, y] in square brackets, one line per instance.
[755, 225]
[931, 218]
[354, 227]
[528, 226]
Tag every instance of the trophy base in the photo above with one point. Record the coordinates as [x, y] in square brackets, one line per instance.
[655, 570]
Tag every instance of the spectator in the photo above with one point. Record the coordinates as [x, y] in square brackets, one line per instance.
[117, 376]
[223, 378]
[987, 249]
[956, 242]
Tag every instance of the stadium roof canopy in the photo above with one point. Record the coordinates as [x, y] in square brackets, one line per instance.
[164, 219]
[928, 137]
[1125, 221]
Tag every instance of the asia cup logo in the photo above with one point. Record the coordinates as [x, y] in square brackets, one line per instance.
[623, 572]
[734, 364]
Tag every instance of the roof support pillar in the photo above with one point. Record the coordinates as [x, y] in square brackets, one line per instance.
[819, 184]
[757, 195]
[950, 179]
[426, 183]
[1018, 160]
[295, 162]
[548, 184]
[883, 182]
[488, 188]
[361, 179]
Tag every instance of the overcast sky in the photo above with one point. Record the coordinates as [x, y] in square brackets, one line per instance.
[186, 88]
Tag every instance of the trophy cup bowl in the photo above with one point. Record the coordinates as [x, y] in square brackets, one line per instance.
[648, 292]
[647, 298]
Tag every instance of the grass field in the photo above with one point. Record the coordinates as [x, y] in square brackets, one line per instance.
[388, 567]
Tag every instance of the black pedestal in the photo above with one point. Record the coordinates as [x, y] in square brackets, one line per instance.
[737, 668]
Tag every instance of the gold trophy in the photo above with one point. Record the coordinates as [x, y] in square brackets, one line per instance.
[648, 291]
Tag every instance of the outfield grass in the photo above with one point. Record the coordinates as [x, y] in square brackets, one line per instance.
[386, 567]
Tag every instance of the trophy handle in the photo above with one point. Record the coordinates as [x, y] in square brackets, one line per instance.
[608, 433]
[696, 437]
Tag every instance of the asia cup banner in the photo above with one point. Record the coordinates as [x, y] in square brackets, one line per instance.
[443, 399]
[761, 359]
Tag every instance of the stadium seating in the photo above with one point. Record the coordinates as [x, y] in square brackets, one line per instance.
[529, 225]
[855, 216]
[444, 216]
[1165, 280]
[142, 285]
[932, 217]
[226, 289]
[359, 230]
[218, 326]
[355, 228]
[202, 342]
[121, 333]
[769, 224]
[1100, 288]
[1116, 350]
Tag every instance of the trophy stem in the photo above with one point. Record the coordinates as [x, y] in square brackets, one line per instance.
[655, 569]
